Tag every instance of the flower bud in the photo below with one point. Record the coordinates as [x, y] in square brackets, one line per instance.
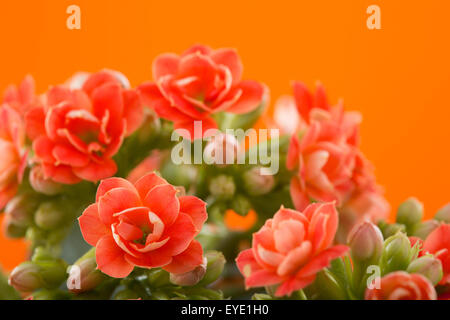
[214, 268]
[222, 187]
[21, 208]
[190, 278]
[366, 243]
[443, 214]
[84, 275]
[158, 278]
[396, 253]
[258, 181]
[42, 184]
[391, 229]
[52, 270]
[410, 212]
[12, 230]
[26, 277]
[425, 228]
[429, 267]
[241, 205]
[222, 150]
[49, 215]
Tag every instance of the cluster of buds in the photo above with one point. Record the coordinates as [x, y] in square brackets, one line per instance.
[44, 271]
[369, 252]
[159, 284]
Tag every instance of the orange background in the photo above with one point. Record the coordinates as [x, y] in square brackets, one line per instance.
[398, 77]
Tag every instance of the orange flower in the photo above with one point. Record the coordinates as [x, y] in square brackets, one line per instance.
[401, 285]
[143, 225]
[22, 98]
[325, 151]
[77, 131]
[290, 249]
[438, 243]
[197, 84]
[13, 157]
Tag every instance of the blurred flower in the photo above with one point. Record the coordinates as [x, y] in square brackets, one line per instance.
[145, 225]
[438, 243]
[22, 98]
[325, 151]
[222, 186]
[258, 181]
[13, 155]
[401, 285]
[151, 163]
[197, 84]
[291, 248]
[41, 184]
[76, 132]
[286, 116]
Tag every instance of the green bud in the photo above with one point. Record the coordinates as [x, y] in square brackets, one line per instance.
[425, 228]
[13, 230]
[443, 214]
[241, 205]
[396, 253]
[52, 270]
[49, 215]
[214, 268]
[158, 278]
[392, 229]
[222, 187]
[366, 243]
[190, 278]
[258, 181]
[84, 275]
[410, 212]
[429, 267]
[26, 277]
[21, 208]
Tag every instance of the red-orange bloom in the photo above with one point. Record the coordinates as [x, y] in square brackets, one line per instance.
[13, 156]
[200, 82]
[22, 98]
[292, 248]
[77, 131]
[143, 225]
[438, 243]
[401, 285]
[325, 151]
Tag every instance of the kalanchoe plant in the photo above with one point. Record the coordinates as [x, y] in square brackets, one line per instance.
[90, 175]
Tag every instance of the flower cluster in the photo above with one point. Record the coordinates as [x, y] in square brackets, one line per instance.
[97, 154]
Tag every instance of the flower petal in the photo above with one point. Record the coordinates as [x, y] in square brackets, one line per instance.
[115, 201]
[91, 227]
[96, 171]
[147, 183]
[162, 200]
[188, 260]
[111, 259]
[195, 208]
